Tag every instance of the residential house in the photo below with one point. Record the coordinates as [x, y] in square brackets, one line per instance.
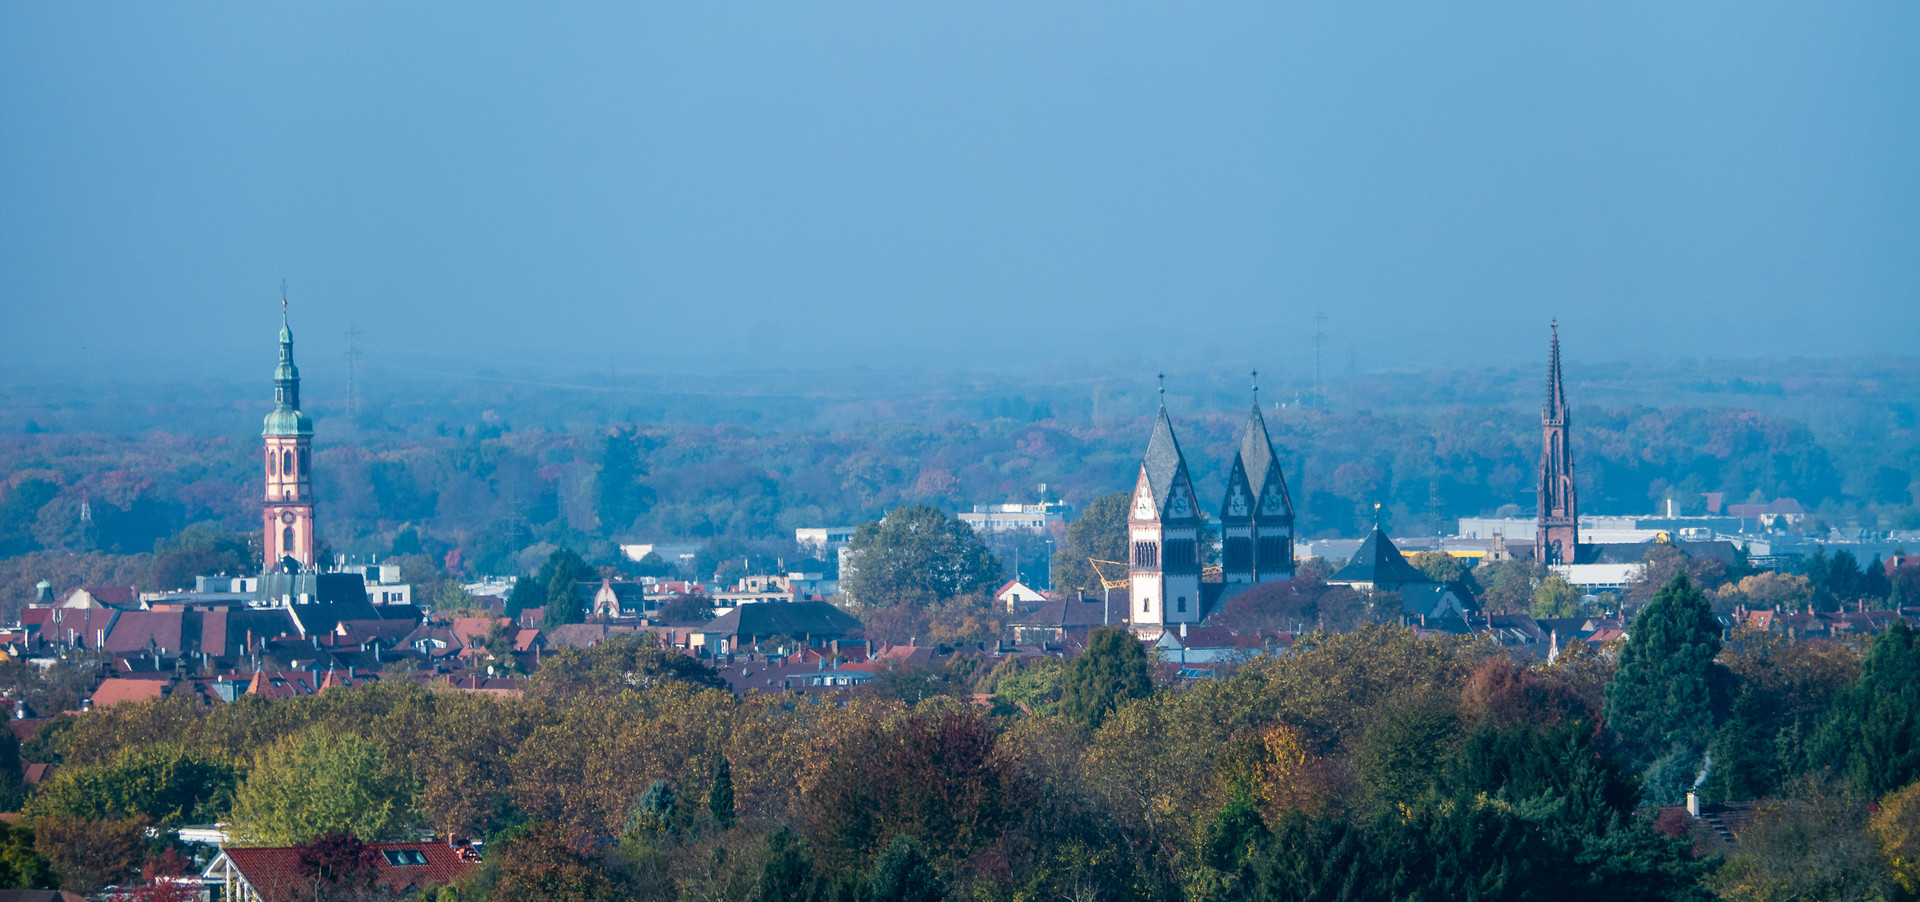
[273, 874]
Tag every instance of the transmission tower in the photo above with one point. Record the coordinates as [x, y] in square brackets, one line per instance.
[1319, 338]
[353, 372]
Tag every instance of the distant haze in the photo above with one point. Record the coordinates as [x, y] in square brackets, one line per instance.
[975, 186]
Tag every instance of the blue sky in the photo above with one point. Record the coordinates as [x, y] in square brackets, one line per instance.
[970, 184]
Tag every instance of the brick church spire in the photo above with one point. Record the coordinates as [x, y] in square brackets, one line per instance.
[1558, 536]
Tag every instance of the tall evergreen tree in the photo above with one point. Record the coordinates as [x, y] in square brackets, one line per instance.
[1746, 757]
[720, 796]
[564, 569]
[903, 874]
[619, 494]
[1111, 672]
[1873, 728]
[1874, 584]
[1665, 692]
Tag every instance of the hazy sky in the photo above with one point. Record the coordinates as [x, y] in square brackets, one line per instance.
[972, 183]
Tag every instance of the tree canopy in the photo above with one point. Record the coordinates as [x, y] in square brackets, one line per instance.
[916, 554]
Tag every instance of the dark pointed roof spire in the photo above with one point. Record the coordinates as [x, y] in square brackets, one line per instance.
[1556, 390]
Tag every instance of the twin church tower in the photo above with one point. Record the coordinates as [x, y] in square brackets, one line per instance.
[1164, 524]
[1256, 515]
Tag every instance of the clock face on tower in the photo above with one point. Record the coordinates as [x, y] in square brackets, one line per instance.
[1180, 506]
[286, 517]
[1143, 504]
[1270, 500]
[1237, 502]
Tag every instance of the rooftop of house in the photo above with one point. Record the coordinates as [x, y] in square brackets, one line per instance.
[274, 871]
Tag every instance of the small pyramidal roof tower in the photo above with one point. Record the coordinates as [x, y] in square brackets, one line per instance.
[1558, 536]
[1256, 515]
[1163, 523]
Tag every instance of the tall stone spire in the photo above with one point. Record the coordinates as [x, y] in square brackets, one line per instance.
[1558, 536]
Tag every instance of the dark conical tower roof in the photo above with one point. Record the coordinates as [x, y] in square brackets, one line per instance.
[1257, 460]
[1164, 463]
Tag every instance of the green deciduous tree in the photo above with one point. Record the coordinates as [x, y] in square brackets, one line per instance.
[1112, 671]
[321, 781]
[1667, 689]
[1555, 597]
[166, 783]
[1100, 532]
[916, 554]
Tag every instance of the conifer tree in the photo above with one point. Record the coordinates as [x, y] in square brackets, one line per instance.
[1111, 672]
[903, 874]
[1664, 693]
[720, 797]
[1873, 728]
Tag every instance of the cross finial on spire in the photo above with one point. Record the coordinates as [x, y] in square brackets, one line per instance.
[1256, 385]
[1376, 515]
[1163, 388]
[283, 297]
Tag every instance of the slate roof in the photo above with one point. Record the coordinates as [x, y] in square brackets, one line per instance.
[1379, 563]
[1077, 613]
[1165, 466]
[274, 872]
[785, 618]
[322, 616]
[1256, 460]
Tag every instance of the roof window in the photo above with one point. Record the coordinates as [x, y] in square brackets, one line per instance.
[404, 857]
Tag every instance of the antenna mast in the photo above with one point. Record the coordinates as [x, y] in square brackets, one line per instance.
[353, 371]
[1319, 338]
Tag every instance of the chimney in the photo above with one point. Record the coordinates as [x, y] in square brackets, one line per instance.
[1183, 630]
[1693, 803]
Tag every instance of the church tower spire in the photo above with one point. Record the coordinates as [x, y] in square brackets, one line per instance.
[287, 505]
[1163, 524]
[1558, 535]
[1256, 516]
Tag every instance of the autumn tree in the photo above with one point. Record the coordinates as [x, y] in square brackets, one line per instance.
[1112, 671]
[90, 854]
[916, 554]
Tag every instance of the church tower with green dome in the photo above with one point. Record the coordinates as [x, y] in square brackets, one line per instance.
[287, 509]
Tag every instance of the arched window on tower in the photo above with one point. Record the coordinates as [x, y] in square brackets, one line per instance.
[286, 462]
[286, 542]
[273, 463]
[306, 461]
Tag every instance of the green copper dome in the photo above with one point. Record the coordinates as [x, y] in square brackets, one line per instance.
[286, 418]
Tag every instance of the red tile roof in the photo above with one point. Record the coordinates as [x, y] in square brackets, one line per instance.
[274, 871]
[114, 690]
